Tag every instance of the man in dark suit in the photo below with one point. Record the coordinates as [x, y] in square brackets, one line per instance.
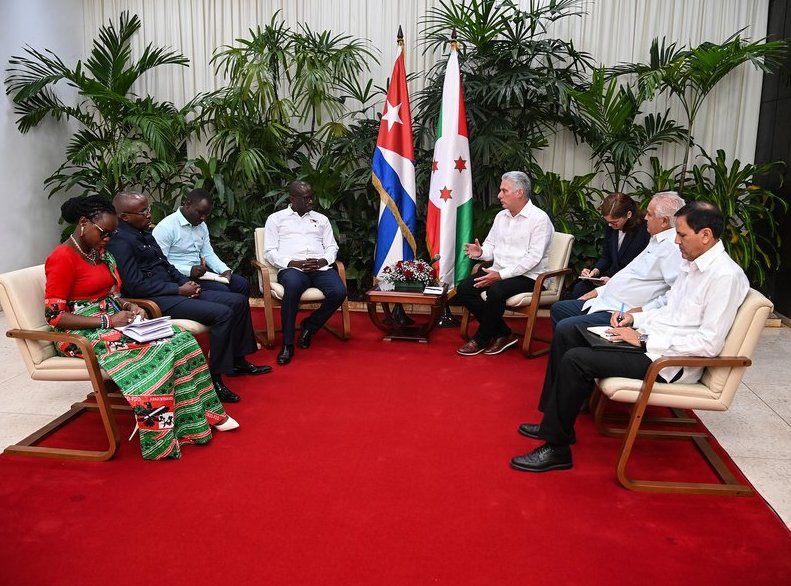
[146, 273]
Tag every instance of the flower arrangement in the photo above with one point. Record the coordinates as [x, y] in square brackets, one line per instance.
[408, 271]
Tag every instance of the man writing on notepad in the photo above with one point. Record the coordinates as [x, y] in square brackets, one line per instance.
[695, 320]
[184, 239]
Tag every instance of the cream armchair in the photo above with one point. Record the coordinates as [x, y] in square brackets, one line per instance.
[22, 298]
[272, 292]
[714, 392]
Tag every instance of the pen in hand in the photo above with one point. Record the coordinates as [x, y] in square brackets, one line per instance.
[620, 314]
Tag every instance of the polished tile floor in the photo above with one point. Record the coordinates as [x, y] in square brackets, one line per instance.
[755, 431]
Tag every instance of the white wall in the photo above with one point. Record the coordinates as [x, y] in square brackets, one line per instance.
[30, 218]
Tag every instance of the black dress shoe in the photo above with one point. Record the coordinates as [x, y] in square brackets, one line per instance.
[244, 367]
[533, 430]
[304, 339]
[225, 394]
[543, 459]
[285, 354]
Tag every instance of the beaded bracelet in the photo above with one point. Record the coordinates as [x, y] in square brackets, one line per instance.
[126, 306]
[104, 320]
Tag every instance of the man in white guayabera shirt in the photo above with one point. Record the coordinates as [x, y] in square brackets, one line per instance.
[697, 315]
[640, 284]
[300, 244]
[518, 246]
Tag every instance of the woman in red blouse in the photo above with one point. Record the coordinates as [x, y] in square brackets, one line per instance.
[167, 381]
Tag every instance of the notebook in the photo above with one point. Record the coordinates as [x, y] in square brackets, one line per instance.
[594, 337]
[148, 329]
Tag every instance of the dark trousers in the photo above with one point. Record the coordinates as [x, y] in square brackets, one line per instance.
[569, 379]
[489, 313]
[564, 309]
[295, 283]
[581, 287]
[227, 315]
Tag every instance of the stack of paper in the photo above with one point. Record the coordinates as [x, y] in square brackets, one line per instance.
[209, 276]
[149, 329]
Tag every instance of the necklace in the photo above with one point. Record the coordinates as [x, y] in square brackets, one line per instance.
[90, 256]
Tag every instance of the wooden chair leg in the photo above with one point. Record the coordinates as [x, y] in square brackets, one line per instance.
[729, 484]
[530, 337]
[345, 332]
[29, 445]
[267, 335]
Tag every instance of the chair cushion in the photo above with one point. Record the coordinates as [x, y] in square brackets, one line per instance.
[310, 294]
[680, 395]
[193, 327]
[60, 368]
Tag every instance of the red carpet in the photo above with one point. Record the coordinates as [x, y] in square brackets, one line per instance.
[367, 462]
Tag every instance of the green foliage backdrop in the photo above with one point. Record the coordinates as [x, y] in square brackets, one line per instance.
[286, 113]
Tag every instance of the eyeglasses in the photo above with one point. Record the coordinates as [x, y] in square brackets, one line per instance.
[143, 212]
[102, 232]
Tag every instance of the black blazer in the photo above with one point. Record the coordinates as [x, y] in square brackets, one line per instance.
[144, 269]
[613, 259]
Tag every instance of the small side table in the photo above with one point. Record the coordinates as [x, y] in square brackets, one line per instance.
[394, 330]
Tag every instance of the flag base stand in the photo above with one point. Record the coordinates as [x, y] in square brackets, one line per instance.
[398, 316]
[447, 319]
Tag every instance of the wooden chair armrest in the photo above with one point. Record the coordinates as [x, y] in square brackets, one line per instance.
[695, 361]
[259, 265]
[151, 307]
[44, 336]
[341, 270]
[263, 271]
[664, 361]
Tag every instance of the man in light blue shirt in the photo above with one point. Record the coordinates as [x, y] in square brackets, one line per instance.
[184, 239]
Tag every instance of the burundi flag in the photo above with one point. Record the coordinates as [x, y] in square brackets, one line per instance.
[449, 220]
[394, 175]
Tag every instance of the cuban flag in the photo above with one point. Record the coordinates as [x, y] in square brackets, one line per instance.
[394, 175]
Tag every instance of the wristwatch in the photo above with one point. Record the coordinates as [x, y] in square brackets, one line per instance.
[642, 338]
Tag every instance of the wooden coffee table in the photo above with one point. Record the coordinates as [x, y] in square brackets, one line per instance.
[396, 331]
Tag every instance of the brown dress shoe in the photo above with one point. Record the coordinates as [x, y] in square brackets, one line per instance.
[500, 344]
[471, 348]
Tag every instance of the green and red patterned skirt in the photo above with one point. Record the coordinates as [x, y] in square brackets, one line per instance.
[167, 382]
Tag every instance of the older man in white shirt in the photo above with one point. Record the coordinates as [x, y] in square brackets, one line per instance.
[518, 245]
[698, 314]
[640, 284]
[301, 245]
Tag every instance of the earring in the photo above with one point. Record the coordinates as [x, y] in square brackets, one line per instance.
[82, 230]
